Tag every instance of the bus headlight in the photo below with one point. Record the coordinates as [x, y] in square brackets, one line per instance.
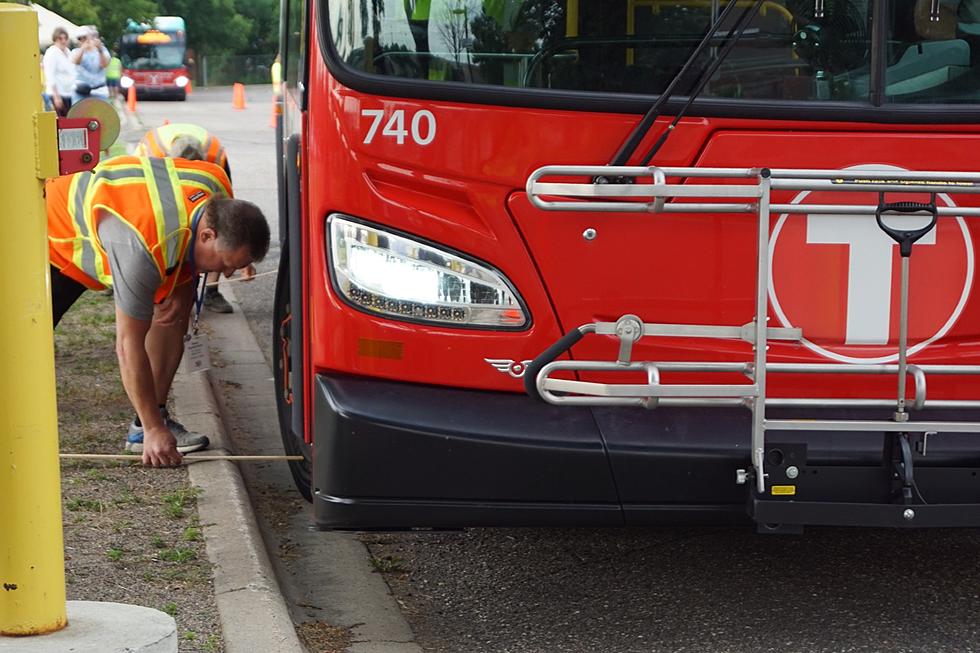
[125, 81]
[180, 81]
[385, 273]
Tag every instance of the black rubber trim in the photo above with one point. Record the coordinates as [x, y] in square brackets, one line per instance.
[562, 345]
[294, 248]
[855, 112]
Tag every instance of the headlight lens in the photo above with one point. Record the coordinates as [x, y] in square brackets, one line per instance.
[180, 81]
[389, 274]
[125, 81]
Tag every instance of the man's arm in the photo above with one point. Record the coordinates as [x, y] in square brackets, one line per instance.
[103, 55]
[159, 444]
[135, 280]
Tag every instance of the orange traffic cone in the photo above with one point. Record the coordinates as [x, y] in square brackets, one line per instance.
[238, 98]
[187, 89]
[275, 111]
[131, 99]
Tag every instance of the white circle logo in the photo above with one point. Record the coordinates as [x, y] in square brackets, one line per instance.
[837, 277]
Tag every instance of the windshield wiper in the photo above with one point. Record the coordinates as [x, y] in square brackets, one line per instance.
[632, 142]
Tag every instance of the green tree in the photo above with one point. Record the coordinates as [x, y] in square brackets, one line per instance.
[264, 14]
[109, 16]
[213, 26]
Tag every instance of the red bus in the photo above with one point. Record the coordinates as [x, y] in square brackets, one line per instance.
[154, 58]
[571, 262]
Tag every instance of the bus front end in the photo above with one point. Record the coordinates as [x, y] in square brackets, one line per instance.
[586, 263]
[154, 58]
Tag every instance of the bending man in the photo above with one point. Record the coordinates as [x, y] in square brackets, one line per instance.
[187, 141]
[145, 227]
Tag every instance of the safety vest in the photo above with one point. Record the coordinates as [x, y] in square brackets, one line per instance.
[157, 142]
[159, 198]
[276, 72]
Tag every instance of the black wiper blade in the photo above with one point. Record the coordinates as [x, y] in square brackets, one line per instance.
[739, 28]
[632, 142]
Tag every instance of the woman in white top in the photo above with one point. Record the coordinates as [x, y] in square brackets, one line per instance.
[59, 71]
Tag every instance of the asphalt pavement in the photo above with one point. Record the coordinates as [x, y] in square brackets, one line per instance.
[544, 590]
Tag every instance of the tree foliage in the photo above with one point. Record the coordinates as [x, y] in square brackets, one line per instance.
[109, 16]
[213, 26]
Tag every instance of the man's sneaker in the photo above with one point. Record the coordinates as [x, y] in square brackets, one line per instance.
[187, 441]
[216, 302]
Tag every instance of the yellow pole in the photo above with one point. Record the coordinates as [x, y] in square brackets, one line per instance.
[32, 566]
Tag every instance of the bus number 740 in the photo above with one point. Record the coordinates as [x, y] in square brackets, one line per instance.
[395, 127]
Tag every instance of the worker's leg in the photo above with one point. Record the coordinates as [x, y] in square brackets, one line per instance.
[165, 347]
[213, 299]
[64, 292]
[165, 340]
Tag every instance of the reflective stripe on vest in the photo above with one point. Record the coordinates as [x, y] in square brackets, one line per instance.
[157, 142]
[163, 188]
[202, 180]
[151, 145]
[83, 186]
[163, 185]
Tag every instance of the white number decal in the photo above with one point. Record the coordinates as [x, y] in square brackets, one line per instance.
[377, 114]
[395, 127]
[430, 127]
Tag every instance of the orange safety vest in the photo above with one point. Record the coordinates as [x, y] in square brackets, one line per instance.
[157, 142]
[158, 198]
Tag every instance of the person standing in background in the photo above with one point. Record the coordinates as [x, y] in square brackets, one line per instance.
[91, 59]
[275, 72]
[113, 73]
[59, 72]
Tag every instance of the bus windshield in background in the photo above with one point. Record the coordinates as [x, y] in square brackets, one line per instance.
[139, 56]
[637, 46]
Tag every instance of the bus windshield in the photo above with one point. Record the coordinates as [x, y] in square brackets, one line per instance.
[788, 52]
[152, 56]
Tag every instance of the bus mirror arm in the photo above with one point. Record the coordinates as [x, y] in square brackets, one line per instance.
[550, 354]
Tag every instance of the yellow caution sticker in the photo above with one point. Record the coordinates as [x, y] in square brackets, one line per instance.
[783, 490]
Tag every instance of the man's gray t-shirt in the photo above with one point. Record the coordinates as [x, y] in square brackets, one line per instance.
[135, 277]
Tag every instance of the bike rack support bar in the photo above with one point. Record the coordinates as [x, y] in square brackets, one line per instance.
[848, 209]
[870, 425]
[745, 332]
[634, 390]
[965, 179]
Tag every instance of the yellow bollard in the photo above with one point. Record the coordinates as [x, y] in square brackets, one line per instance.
[32, 567]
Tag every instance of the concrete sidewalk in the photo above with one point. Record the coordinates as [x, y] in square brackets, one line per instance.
[253, 614]
[329, 571]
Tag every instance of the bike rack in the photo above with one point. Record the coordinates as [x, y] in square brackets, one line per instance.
[748, 191]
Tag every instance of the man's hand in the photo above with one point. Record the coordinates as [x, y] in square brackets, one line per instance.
[160, 448]
[248, 272]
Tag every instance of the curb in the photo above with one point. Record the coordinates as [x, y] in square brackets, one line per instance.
[336, 573]
[253, 614]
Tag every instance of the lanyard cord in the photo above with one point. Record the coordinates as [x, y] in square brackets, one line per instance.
[202, 279]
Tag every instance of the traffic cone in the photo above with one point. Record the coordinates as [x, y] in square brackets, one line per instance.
[131, 99]
[187, 89]
[272, 116]
[238, 98]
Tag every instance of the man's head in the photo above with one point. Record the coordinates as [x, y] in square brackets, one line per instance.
[186, 147]
[231, 235]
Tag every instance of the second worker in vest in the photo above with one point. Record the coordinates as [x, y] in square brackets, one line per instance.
[188, 141]
[146, 227]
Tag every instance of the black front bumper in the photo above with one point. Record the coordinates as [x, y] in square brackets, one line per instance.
[396, 455]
